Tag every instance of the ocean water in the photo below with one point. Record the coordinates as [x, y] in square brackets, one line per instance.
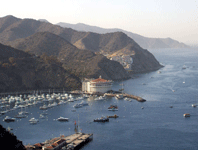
[155, 127]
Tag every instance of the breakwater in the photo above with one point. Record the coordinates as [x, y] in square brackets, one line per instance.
[139, 99]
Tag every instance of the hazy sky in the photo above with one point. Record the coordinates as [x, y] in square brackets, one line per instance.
[177, 19]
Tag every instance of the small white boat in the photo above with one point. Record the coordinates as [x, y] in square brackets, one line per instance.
[186, 115]
[63, 119]
[21, 115]
[100, 98]
[41, 116]
[77, 105]
[44, 107]
[8, 119]
[83, 103]
[33, 121]
[119, 96]
[194, 105]
[71, 100]
[102, 119]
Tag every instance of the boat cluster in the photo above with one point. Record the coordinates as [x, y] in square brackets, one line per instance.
[11, 103]
[106, 119]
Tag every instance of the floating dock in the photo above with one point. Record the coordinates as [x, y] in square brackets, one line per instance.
[71, 142]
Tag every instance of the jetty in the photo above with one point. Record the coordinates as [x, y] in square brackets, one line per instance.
[139, 99]
[71, 142]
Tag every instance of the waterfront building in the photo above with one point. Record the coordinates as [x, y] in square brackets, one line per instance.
[96, 85]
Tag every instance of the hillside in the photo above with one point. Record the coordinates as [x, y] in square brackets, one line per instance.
[118, 42]
[14, 29]
[14, 143]
[20, 71]
[79, 62]
[144, 42]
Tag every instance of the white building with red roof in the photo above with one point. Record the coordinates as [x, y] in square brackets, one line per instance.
[96, 85]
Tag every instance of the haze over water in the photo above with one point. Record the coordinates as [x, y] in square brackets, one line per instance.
[157, 126]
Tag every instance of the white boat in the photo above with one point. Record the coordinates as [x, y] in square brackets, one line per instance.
[100, 98]
[184, 67]
[119, 96]
[102, 119]
[8, 119]
[63, 119]
[83, 103]
[44, 107]
[77, 105]
[41, 116]
[20, 115]
[71, 100]
[33, 121]
[194, 105]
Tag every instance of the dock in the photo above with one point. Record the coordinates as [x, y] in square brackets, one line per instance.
[71, 142]
[139, 99]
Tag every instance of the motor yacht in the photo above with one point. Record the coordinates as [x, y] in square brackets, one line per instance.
[33, 121]
[8, 119]
[102, 119]
[63, 119]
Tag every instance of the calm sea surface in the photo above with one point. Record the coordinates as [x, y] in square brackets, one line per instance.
[157, 126]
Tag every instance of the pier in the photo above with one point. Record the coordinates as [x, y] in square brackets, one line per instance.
[71, 142]
[139, 99]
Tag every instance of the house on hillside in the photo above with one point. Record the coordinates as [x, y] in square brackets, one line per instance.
[125, 60]
[96, 85]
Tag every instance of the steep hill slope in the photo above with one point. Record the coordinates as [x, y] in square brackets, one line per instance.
[144, 42]
[20, 71]
[118, 42]
[14, 143]
[106, 43]
[79, 62]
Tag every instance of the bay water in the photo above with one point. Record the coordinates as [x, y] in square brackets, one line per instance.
[151, 125]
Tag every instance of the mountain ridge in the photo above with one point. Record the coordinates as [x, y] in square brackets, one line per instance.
[144, 42]
[72, 58]
[97, 43]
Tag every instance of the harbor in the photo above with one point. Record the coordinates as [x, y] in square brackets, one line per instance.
[160, 125]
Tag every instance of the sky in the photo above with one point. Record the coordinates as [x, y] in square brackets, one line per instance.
[177, 19]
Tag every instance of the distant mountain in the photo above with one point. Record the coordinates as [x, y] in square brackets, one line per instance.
[14, 30]
[43, 20]
[20, 71]
[144, 42]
